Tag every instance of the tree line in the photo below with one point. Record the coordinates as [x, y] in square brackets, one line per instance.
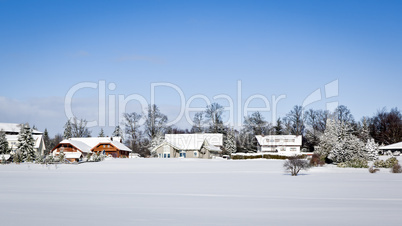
[384, 127]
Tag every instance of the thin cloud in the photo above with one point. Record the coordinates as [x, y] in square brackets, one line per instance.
[151, 59]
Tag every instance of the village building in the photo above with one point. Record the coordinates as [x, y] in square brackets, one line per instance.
[198, 145]
[279, 144]
[12, 131]
[75, 149]
[395, 149]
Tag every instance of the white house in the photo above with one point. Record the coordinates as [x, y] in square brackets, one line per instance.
[392, 147]
[197, 145]
[12, 131]
[279, 144]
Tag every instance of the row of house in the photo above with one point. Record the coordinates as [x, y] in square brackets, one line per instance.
[198, 145]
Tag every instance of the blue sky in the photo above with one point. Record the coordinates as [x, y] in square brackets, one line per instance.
[276, 48]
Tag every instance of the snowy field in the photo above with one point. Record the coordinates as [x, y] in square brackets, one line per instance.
[196, 192]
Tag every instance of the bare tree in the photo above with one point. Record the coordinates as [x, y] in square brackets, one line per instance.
[295, 164]
[295, 120]
[256, 124]
[132, 129]
[155, 123]
[79, 128]
[386, 127]
[198, 123]
[213, 113]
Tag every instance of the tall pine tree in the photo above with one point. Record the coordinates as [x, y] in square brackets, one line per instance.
[4, 149]
[68, 130]
[26, 144]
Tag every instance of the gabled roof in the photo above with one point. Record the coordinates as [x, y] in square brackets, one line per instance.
[276, 140]
[118, 145]
[14, 128]
[392, 146]
[211, 148]
[95, 141]
[194, 141]
[83, 147]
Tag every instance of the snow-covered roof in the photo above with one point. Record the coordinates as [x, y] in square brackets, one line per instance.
[392, 146]
[194, 141]
[14, 128]
[276, 140]
[37, 138]
[211, 148]
[94, 141]
[78, 144]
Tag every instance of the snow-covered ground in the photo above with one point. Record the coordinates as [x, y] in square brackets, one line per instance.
[196, 192]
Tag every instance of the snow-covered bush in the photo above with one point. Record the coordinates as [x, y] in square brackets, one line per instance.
[390, 162]
[354, 163]
[396, 153]
[295, 164]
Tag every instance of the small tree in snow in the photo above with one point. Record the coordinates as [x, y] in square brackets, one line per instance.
[229, 142]
[372, 150]
[295, 164]
[4, 149]
[26, 144]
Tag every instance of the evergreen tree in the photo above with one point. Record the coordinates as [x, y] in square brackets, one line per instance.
[68, 133]
[101, 133]
[278, 127]
[46, 140]
[26, 144]
[372, 149]
[117, 132]
[4, 149]
[229, 142]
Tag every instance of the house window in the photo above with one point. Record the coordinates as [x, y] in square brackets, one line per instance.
[283, 149]
[159, 155]
[104, 146]
[182, 154]
[108, 145]
[195, 154]
[168, 155]
[271, 140]
[286, 140]
[292, 149]
[277, 140]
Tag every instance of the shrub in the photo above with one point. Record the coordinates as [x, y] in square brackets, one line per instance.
[396, 168]
[354, 163]
[317, 160]
[389, 163]
[373, 170]
[265, 156]
[295, 164]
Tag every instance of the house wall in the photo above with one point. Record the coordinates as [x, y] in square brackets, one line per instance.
[165, 149]
[110, 150]
[281, 150]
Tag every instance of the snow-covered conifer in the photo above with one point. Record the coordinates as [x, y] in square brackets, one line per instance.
[26, 144]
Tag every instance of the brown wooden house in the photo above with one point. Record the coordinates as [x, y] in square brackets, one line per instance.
[75, 149]
[111, 149]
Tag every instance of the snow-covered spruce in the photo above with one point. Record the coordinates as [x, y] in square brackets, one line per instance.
[26, 144]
